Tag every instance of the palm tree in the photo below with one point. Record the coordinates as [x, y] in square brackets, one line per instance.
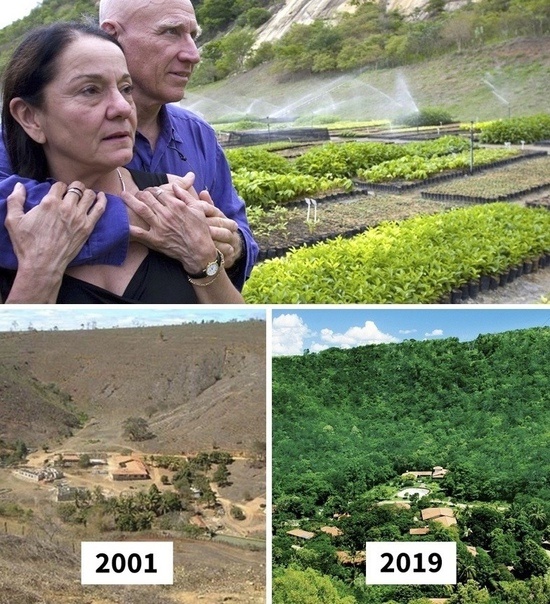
[466, 569]
[537, 516]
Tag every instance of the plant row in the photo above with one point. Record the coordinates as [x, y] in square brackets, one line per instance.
[509, 181]
[415, 167]
[267, 189]
[264, 179]
[416, 261]
[516, 130]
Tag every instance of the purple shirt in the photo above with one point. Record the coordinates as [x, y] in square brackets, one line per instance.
[186, 144]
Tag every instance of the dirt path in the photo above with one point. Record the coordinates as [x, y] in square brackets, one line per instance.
[528, 289]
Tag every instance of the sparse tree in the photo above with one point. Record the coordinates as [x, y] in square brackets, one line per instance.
[221, 475]
[137, 429]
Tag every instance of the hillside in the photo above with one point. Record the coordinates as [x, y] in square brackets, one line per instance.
[20, 397]
[479, 408]
[419, 441]
[307, 11]
[457, 82]
[197, 385]
[493, 80]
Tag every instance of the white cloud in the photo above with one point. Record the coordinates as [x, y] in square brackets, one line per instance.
[317, 347]
[288, 335]
[355, 336]
[406, 332]
[434, 334]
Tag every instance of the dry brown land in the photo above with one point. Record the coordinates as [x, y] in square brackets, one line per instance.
[199, 386]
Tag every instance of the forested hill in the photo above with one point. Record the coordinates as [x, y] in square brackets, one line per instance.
[347, 420]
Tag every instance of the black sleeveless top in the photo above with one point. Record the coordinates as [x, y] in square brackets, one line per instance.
[158, 280]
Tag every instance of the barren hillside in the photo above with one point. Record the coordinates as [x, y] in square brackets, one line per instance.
[197, 385]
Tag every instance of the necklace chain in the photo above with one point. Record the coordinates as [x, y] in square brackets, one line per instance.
[121, 180]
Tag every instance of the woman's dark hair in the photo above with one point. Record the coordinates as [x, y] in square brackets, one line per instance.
[31, 68]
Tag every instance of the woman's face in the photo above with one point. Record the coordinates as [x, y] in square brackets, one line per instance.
[88, 119]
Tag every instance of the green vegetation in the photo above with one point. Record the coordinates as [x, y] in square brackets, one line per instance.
[350, 425]
[12, 453]
[150, 508]
[415, 167]
[517, 130]
[345, 160]
[369, 38]
[137, 429]
[507, 180]
[266, 180]
[426, 117]
[48, 11]
[237, 512]
[415, 261]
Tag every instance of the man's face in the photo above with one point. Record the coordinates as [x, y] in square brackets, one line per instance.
[159, 43]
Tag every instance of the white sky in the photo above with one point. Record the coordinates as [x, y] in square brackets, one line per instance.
[22, 317]
[11, 11]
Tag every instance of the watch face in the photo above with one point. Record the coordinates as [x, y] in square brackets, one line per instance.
[212, 269]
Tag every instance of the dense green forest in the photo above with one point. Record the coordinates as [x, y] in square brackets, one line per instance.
[350, 425]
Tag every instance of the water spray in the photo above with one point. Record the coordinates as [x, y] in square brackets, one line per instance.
[499, 96]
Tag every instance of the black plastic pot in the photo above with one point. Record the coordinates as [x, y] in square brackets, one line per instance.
[473, 289]
[484, 283]
[456, 296]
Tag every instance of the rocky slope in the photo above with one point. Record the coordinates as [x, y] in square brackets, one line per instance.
[307, 11]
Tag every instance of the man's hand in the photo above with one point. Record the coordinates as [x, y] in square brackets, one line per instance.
[161, 230]
[177, 226]
[223, 230]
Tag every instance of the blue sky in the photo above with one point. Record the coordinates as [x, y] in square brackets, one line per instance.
[294, 330]
[21, 318]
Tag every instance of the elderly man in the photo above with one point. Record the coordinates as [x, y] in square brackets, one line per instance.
[158, 37]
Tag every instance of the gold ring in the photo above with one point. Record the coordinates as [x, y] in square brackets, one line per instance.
[76, 190]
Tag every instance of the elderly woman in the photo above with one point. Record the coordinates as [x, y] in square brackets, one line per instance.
[68, 115]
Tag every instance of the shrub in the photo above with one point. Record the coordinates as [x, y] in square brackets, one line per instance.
[257, 159]
[237, 512]
[426, 117]
[516, 130]
[416, 261]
